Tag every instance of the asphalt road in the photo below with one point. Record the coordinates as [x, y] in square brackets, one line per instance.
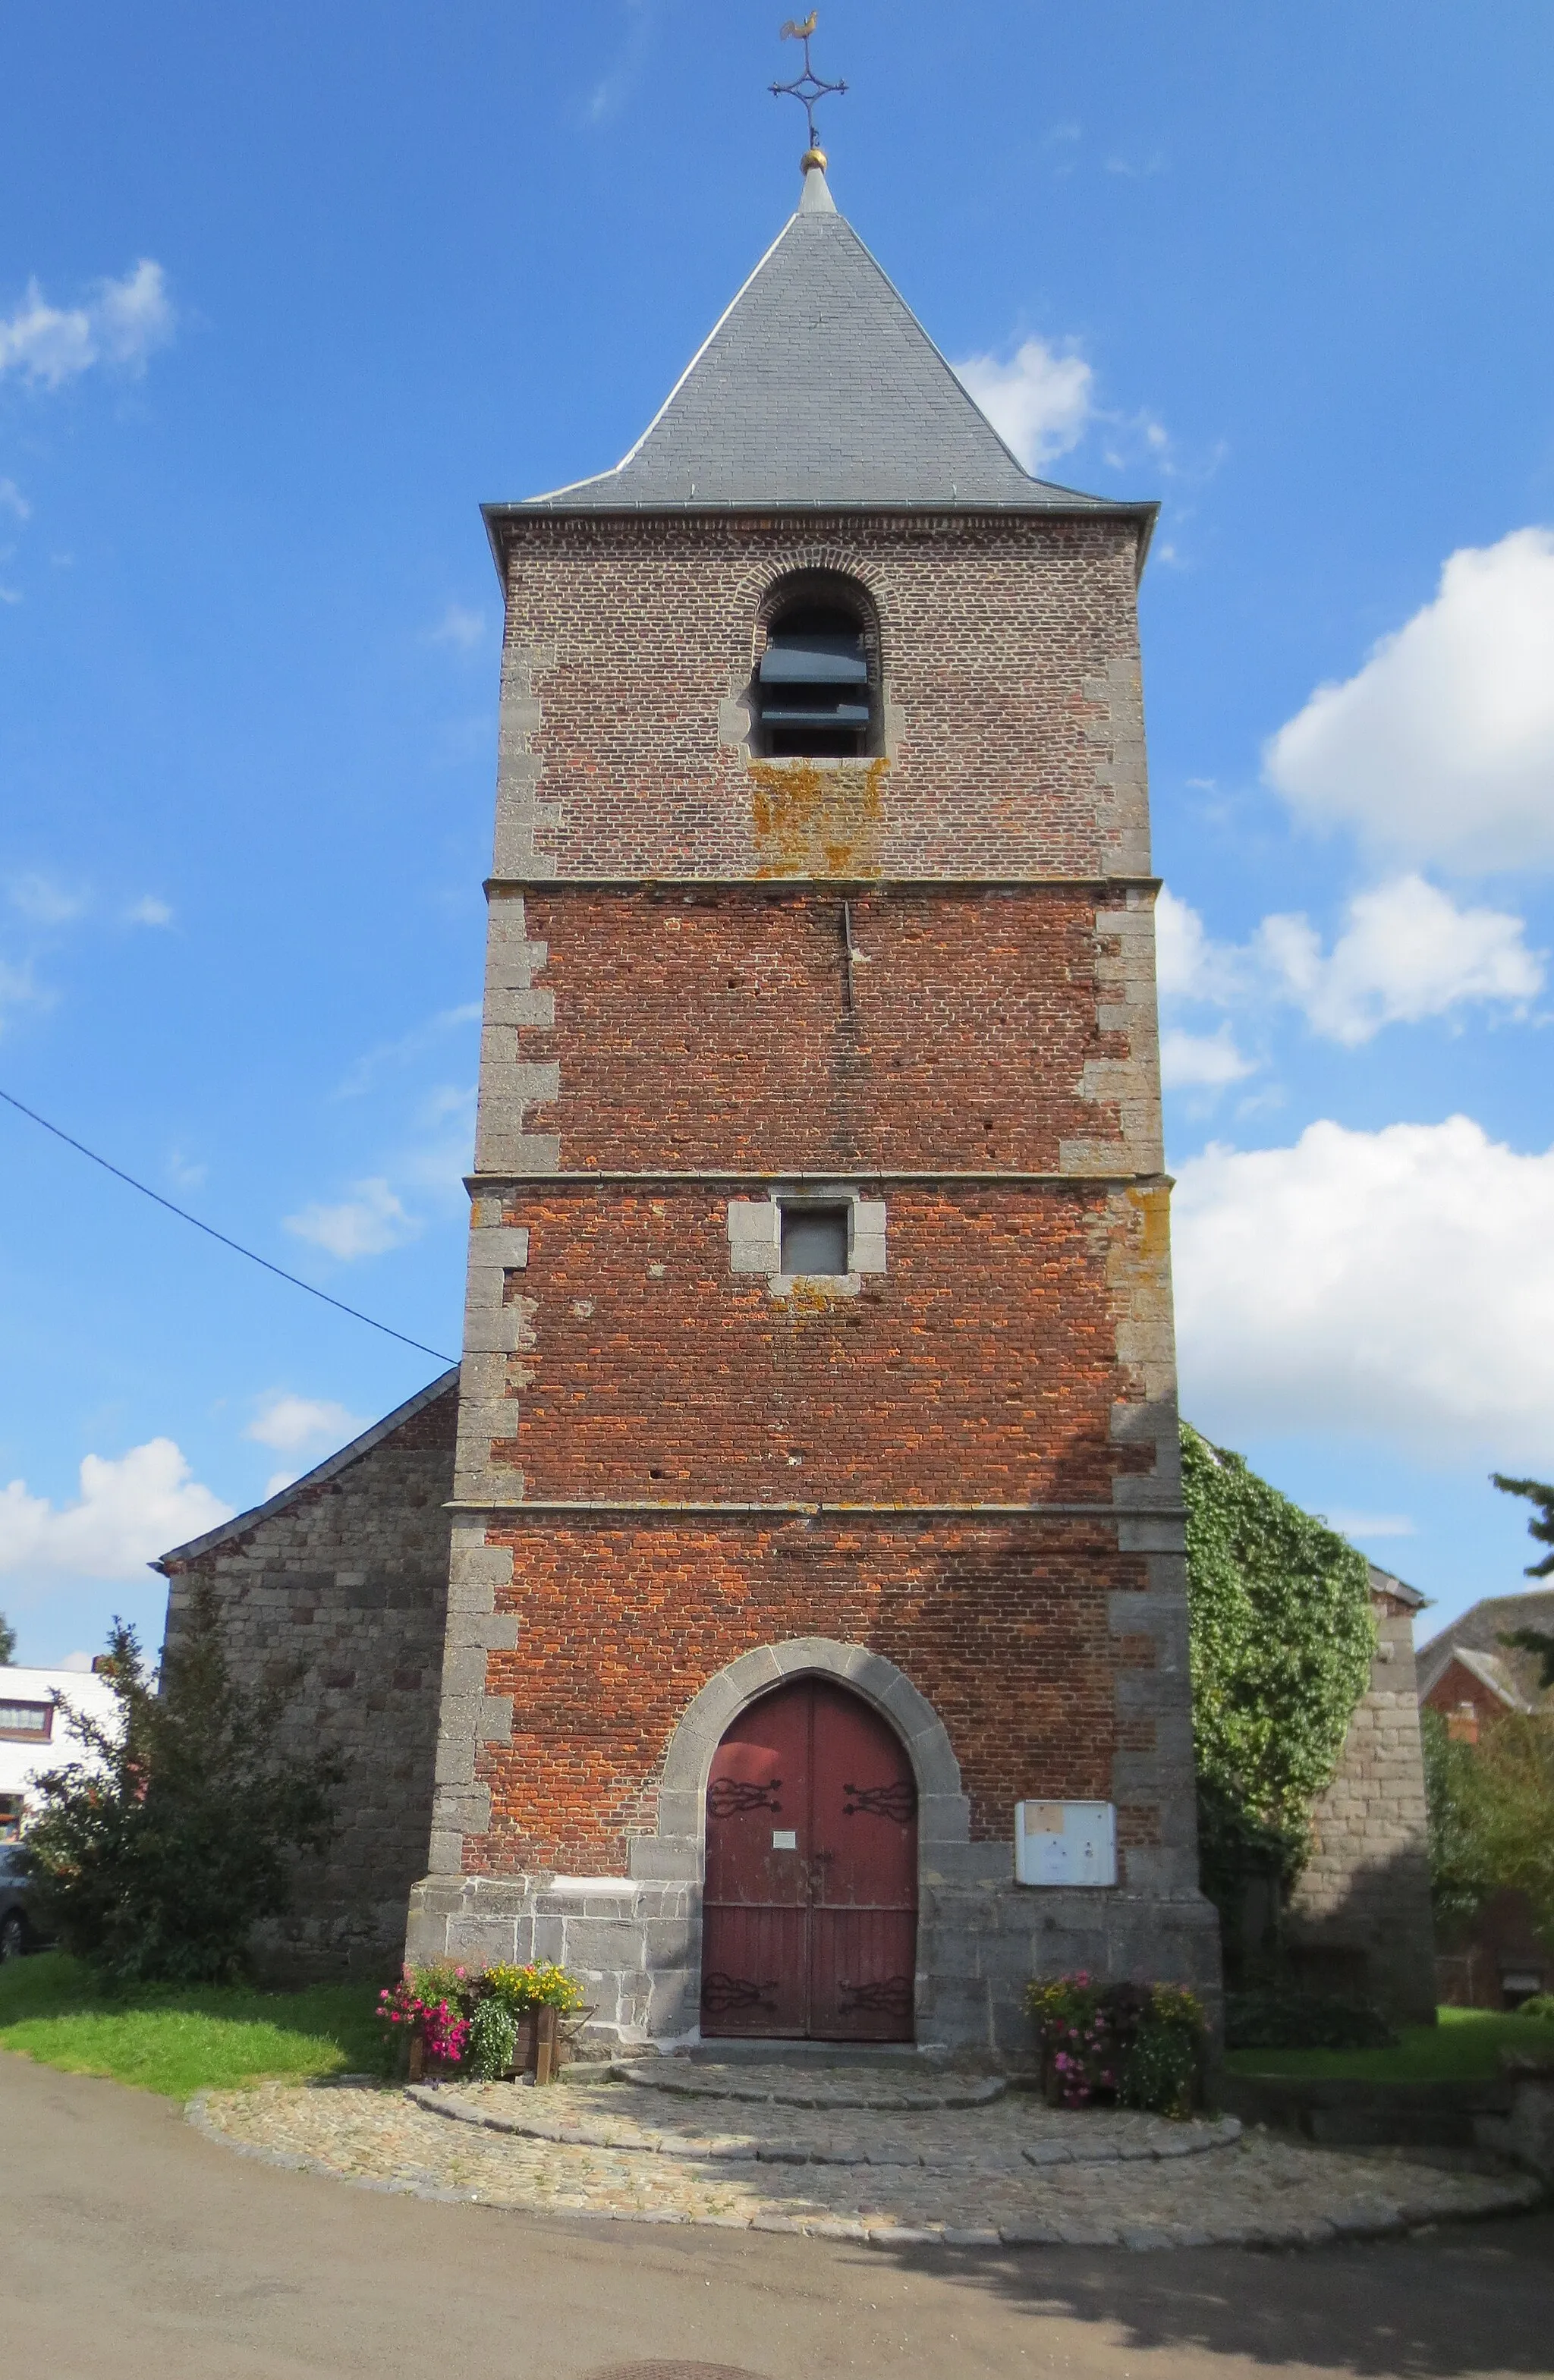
[131, 2248]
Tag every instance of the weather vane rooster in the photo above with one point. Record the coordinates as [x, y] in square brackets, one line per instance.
[807, 88]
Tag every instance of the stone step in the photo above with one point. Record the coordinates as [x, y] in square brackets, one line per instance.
[952, 2142]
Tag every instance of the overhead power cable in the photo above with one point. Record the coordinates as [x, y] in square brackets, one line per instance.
[212, 1233]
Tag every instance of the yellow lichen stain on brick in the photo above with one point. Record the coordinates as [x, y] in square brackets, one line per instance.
[811, 821]
[810, 1298]
[1154, 1208]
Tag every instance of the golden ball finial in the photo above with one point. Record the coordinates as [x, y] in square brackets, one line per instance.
[813, 160]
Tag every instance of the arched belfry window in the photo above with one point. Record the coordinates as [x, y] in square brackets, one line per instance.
[816, 682]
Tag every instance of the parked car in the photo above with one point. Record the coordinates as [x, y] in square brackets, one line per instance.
[17, 1932]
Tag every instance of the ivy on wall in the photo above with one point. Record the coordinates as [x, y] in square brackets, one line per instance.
[1282, 1640]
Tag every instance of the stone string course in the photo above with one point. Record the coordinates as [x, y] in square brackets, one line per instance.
[1258, 2190]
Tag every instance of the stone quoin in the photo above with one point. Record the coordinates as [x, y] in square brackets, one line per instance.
[819, 1317]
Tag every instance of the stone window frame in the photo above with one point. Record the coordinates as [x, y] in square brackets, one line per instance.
[755, 1237]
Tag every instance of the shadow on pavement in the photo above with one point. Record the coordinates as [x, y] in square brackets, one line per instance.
[1467, 2299]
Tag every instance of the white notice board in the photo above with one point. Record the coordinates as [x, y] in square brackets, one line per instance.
[1065, 1842]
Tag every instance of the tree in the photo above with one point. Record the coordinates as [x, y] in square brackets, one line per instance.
[1460, 1876]
[156, 1855]
[7, 1643]
[1541, 1526]
[1491, 1809]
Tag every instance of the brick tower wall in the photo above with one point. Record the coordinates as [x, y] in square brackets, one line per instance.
[652, 1432]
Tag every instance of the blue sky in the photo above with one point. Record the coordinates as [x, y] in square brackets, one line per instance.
[284, 294]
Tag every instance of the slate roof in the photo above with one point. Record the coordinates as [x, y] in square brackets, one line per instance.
[228, 1531]
[1383, 1582]
[818, 388]
[1478, 1631]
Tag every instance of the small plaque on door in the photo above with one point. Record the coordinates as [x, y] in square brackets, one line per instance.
[784, 1838]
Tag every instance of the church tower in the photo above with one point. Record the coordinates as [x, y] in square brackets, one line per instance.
[816, 1658]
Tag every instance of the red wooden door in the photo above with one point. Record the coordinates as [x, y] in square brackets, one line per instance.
[810, 1914]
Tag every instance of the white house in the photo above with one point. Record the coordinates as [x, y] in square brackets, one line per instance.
[36, 1735]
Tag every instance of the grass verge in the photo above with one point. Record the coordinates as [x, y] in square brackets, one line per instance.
[180, 2041]
[1465, 2046]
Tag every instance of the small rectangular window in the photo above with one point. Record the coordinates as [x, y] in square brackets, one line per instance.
[815, 1240]
[26, 1722]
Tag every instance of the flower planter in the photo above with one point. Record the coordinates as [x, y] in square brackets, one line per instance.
[540, 2048]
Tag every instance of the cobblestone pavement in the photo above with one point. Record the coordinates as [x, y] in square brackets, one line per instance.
[1258, 2190]
[1007, 2137]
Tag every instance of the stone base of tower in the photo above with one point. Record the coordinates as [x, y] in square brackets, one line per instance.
[636, 1946]
[984, 1942]
[635, 1938]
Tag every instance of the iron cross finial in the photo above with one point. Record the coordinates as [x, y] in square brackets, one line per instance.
[807, 88]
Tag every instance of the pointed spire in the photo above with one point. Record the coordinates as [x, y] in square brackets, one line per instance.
[818, 386]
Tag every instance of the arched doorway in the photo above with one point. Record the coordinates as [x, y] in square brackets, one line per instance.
[810, 1912]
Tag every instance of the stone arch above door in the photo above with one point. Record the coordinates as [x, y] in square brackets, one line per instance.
[943, 1811]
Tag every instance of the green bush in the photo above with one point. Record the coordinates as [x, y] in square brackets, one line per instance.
[1540, 2005]
[154, 1857]
[1161, 2071]
[1278, 2018]
[494, 2037]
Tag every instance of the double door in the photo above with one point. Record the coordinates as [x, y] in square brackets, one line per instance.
[810, 1914]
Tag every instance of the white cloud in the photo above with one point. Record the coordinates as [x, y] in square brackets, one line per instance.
[129, 1510]
[1396, 1284]
[1441, 746]
[121, 323]
[443, 1155]
[148, 912]
[44, 901]
[1372, 1524]
[1039, 402]
[13, 501]
[276, 1481]
[1189, 966]
[80, 1663]
[610, 93]
[20, 988]
[461, 626]
[1408, 951]
[289, 1423]
[366, 1225]
[410, 1045]
[1202, 1061]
